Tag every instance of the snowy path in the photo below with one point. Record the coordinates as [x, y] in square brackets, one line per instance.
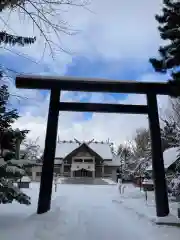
[84, 212]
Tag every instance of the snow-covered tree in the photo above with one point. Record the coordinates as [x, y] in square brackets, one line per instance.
[142, 146]
[175, 111]
[174, 186]
[170, 135]
[11, 170]
[11, 167]
[141, 165]
[141, 151]
[124, 150]
[125, 153]
[31, 149]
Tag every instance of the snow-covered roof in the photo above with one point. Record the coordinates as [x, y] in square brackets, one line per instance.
[116, 161]
[25, 179]
[58, 161]
[103, 149]
[64, 148]
[170, 156]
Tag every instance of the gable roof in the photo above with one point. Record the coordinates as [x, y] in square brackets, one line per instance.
[170, 156]
[102, 149]
[88, 149]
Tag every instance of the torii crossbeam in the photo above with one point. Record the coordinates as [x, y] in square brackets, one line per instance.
[57, 84]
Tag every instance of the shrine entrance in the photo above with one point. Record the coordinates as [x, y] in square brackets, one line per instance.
[82, 173]
[58, 84]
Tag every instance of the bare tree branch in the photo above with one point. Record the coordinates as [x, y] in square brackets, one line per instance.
[47, 17]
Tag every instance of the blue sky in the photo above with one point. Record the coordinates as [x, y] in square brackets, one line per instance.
[126, 69]
[115, 42]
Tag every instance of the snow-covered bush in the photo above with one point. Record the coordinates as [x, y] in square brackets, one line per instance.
[12, 170]
[175, 186]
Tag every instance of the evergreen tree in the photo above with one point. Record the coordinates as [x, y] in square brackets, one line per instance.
[10, 4]
[7, 117]
[6, 38]
[169, 28]
[11, 167]
[10, 39]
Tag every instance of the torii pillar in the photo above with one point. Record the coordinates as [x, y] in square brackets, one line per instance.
[45, 193]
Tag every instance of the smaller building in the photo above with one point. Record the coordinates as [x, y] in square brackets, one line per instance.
[170, 156]
[24, 182]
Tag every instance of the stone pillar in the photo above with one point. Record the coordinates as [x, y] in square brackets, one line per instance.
[94, 172]
[62, 169]
[102, 171]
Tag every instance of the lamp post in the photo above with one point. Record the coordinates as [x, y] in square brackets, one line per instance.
[18, 136]
[121, 167]
[140, 177]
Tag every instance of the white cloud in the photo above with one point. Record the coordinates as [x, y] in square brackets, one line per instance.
[116, 30]
[117, 127]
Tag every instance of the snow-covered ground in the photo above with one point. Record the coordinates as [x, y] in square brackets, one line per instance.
[82, 212]
[135, 200]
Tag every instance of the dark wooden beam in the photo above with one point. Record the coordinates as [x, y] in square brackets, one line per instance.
[49, 154]
[161, 195]
[92, 85]
[102, 108]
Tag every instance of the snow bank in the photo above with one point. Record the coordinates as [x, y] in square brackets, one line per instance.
[59, 180]
[170, 220]
[133, 199]
[109, 181]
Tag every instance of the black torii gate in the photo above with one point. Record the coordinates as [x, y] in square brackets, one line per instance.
[57, 84]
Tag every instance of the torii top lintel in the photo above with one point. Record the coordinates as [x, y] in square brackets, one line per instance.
[92, 85]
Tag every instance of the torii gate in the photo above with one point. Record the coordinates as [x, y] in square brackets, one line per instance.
[58, 84]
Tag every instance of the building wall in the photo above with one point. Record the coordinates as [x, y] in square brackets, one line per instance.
[107, 170]
[65, 170]
[110, 171]
[83, 154]
[88, 166]
[98, 171]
